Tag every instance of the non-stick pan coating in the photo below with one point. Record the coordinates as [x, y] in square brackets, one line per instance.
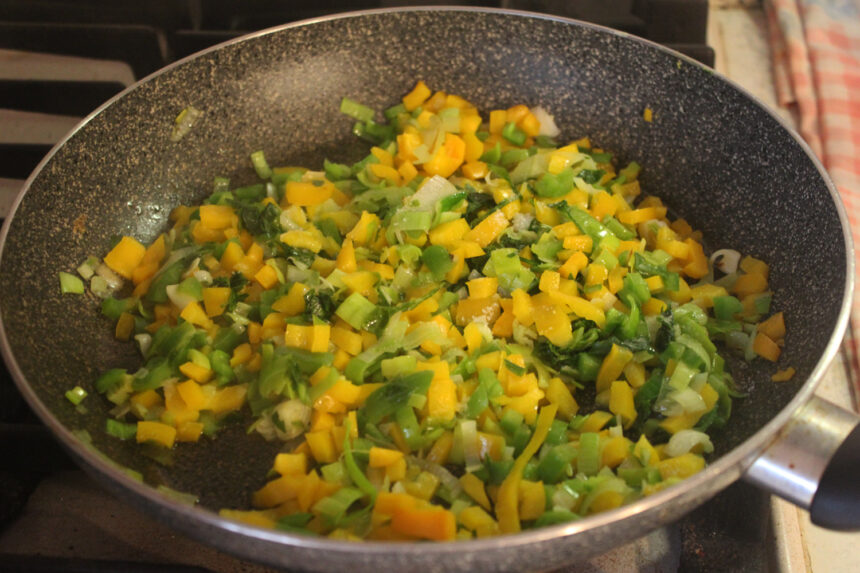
[715, 156]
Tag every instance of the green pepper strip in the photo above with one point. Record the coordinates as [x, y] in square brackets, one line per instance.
[507, 511]
[513, 134]
[76, 395]
[71, 284]
[356, 110]
[586, 223]
[352, 469]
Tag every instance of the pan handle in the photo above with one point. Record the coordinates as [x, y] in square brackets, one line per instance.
[815, 464]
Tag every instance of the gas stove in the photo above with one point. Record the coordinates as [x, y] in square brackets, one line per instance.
[59, 60]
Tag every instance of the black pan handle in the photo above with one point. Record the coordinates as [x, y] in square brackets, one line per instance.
[814, 462]
[836, 504]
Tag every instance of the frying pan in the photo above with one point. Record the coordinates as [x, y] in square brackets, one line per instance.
[714, 154]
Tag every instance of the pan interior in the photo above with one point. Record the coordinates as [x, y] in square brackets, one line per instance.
[714, 156]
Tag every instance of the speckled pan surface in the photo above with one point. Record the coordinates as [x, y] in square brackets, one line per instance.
[716, 157]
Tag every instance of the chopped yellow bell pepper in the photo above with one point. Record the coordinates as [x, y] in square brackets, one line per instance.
[161, 434]
[125, 256]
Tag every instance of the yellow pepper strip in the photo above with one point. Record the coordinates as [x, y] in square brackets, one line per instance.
[291, 464]
[156, 432]
[783, 375]
[216, 217]
[483, 287]
[682, 466]
[752, 265]
[417, 96]
[507, 505]
[473, 337]
[765, 347]
[595, 421]
[558, 393]
[304, 193]
[448, 157]
[474, 487]
[199, 374]
[773, 327]
[188, 431]
[612, 366]
[302, 240]
[488, 230]
[498, 118]
[697, 267]
[447, 234]
[195, 314]
[621, 402]
[637, 216]
[474, 169]
[479, 521]
[441, 449]
[532, 499]
[215, 300]
[124, 327]
[125, 256]
[381, 457]
[551, 321]
[431, 522]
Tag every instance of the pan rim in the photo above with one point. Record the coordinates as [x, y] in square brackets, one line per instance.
[724, 470]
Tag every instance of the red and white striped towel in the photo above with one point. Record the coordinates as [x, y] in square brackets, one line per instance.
[816, 55]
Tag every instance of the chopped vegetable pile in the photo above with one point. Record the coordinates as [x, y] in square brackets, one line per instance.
[471, 331]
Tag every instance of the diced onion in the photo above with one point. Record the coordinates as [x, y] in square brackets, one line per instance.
[88, 268]
[113, 280]
[615, 484]
[690, 400]
[204, 277]
[547, 122]
[605, 301]
[296, 417]
[99, 287]
[522, 221]
[684, 441]
[432, 190]
[471, 445]
[698, 381]
[287, 222]
[144, 341]
[296, 274]
[403, 277]
[446, 478]
[184, 122]
[726, 260]
[524, 335]
[180, 300]
[564, 498]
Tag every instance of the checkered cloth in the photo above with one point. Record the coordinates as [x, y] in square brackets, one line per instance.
[816, 53]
